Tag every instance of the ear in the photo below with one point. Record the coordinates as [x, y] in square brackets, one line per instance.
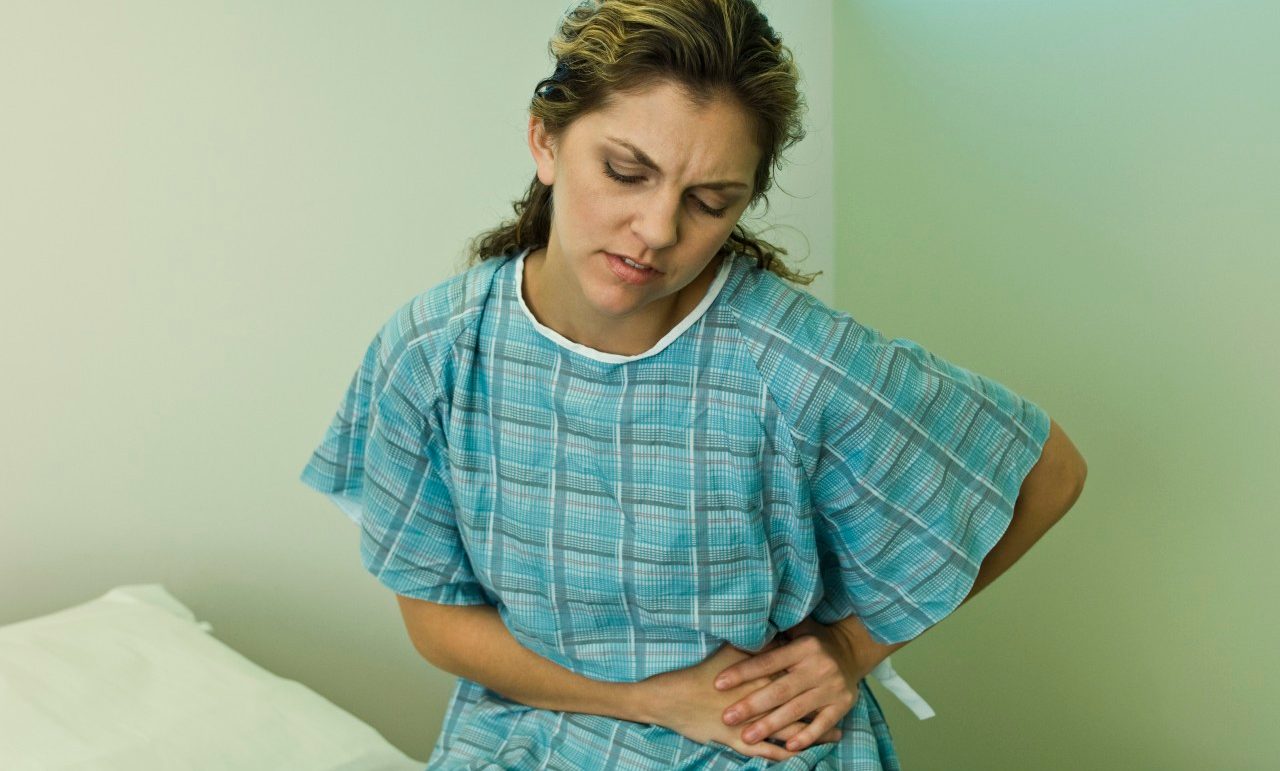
[542, 148]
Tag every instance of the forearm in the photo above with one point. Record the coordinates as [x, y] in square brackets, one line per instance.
[1022, 533]
[479, 647]
[1032, 519]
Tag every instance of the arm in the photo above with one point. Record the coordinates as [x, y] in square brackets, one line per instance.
[475, 644]
[471, 641]
[1049, 491]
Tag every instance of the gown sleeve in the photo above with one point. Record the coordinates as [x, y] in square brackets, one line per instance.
[920, 462]
[382, 460]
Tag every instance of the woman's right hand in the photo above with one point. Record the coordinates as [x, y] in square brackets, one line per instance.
[685, 701]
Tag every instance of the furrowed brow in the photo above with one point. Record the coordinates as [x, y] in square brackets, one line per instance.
[643, 158]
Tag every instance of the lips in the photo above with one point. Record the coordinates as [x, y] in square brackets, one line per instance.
[629, 274]
[625, 257]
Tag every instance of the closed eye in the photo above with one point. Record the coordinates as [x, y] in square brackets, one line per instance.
[611, 174]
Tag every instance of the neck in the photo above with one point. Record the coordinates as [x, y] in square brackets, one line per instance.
[626, 337]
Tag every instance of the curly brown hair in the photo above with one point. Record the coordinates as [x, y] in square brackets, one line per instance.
[708, 47]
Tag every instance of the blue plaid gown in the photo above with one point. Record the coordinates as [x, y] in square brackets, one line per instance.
[769, 459]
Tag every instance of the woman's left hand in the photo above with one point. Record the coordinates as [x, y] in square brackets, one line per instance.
[815, 673]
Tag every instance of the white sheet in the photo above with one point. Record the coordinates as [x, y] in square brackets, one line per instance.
[132, 682]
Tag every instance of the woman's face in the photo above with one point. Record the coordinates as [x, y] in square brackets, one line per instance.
[673, 218]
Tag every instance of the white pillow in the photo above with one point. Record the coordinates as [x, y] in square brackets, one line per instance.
[131, 682]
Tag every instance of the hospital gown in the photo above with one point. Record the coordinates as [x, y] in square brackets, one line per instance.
[768, 460]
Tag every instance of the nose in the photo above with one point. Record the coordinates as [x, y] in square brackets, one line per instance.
[658, 222]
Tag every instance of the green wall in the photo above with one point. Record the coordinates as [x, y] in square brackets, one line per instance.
[1080, 199]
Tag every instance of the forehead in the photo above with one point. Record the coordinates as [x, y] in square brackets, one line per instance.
[664, 123]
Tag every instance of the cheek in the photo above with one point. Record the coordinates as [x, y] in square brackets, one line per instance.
[601, 211]
[591, 199]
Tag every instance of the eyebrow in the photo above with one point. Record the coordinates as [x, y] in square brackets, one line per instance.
[643, 158]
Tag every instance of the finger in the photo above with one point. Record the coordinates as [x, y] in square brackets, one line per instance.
[788, 713]
[769, 695]
[742, 710]
[763, 750]
[788, 732]
[761, 664]
[811, 732]
[830, 736]
[795, 728]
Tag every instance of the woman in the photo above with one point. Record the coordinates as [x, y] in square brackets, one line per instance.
[619, 456]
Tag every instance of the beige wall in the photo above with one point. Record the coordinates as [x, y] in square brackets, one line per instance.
[206, 211]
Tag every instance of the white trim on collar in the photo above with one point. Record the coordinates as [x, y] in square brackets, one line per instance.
[722, 275]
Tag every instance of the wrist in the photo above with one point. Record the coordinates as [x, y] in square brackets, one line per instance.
[640, 703]
[861, 648]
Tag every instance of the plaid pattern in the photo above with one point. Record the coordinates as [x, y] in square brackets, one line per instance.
[627, 516]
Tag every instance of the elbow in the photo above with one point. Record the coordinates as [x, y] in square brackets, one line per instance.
[1079, 472]
[1074, 487]
[420, 619]
[1057, 479]
[1078, 487]
[430, 654]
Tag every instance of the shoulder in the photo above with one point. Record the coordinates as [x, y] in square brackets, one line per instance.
[420, 334]
[799, 343]
[804, 350]
[788, 321]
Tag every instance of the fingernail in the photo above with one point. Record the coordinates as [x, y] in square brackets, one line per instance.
[722, 683]
[731, 716]
[752, 735]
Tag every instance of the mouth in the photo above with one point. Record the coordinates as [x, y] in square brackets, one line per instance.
[629, 273]
[633, 262]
